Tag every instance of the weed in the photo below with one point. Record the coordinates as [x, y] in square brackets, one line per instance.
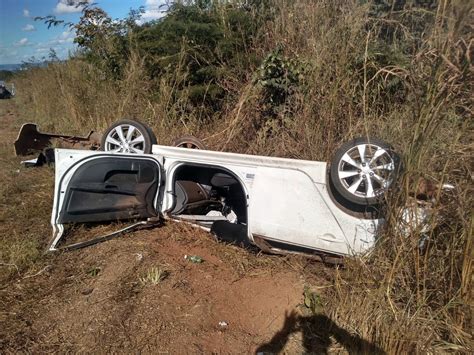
[312, 301]
[154, 276]
[93, 271]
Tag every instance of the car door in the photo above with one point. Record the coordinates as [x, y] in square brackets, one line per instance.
[96, 186]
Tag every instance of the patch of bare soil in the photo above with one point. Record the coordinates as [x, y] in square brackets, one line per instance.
[138, 292]
[115, 310]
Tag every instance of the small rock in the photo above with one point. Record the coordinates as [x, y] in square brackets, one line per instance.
[196, 259]
[87, 291]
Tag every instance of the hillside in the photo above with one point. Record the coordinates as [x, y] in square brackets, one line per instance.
[280, 78]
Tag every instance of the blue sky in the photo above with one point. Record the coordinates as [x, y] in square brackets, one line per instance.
[21, 37]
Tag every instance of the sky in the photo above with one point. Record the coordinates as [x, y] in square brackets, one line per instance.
[21, 37]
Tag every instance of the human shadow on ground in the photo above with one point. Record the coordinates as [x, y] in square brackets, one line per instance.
[317, 331]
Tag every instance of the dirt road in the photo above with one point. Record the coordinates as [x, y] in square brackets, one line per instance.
[102, 298]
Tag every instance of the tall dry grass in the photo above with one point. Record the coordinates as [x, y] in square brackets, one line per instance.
[401, 297]
[75, 96]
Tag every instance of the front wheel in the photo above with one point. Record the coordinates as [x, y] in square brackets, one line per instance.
[363, 169]
[128, 136]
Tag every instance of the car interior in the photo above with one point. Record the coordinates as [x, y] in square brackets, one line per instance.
[213, 198]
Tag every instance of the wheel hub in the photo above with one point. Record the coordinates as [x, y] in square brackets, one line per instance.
[125, 139]
[365, 170]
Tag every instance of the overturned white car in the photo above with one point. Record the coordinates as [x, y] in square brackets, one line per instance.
[276, 204]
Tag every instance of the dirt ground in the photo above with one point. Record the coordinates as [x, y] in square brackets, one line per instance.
[101, 298]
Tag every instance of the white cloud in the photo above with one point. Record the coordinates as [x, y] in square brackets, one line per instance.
[68, 6]
[62, 39]
[62, 44]
[153, 10]
[22, 43]
[28, 28]
[66, 36]
[26, 13]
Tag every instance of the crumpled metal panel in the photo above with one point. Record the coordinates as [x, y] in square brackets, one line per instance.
[31, 141]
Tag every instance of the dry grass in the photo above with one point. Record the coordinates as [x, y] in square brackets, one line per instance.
[26, 200]
[398, 297]
[154, 276]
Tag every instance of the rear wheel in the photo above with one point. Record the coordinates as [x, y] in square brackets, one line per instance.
[363, 169]
[128, 136]
[189, 142]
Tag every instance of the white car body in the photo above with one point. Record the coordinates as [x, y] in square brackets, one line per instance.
[288, 200]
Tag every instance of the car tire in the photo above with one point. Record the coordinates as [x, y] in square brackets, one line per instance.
[189, 142]
[363, 169]
[128, 136]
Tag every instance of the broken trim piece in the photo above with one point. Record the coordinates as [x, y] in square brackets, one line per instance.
[265, 246]
[59, 230]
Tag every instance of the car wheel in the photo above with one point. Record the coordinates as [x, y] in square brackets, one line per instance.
[128, 136]
[190, 142]
[363, 169]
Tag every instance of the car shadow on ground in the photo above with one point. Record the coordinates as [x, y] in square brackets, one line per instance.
[317, 332]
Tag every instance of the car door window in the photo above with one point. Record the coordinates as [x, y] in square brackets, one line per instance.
[111, 188]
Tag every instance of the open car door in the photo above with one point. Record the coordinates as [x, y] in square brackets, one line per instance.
[92, 186]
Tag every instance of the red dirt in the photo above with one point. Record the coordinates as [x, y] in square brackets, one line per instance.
[114, 311]
[93, 300]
